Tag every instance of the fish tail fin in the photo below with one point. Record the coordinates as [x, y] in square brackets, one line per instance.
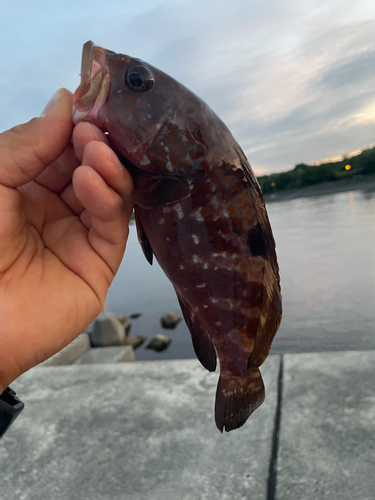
[236, 399]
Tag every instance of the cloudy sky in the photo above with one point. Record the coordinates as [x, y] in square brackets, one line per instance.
[293, 80]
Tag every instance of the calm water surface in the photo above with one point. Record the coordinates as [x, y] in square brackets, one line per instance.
[326, 251]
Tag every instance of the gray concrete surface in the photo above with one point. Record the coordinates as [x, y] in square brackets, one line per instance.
[145, 431]
[327, 437]
[136, 431]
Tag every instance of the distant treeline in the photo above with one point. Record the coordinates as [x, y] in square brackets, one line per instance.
[305, 175]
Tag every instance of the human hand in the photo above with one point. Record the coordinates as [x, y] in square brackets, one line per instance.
[65, 205]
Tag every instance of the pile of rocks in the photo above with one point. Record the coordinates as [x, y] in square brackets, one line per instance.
[107, 340]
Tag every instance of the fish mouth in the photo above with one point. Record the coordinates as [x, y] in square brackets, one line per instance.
[93, 91]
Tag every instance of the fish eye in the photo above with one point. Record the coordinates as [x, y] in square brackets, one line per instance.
[139, 78]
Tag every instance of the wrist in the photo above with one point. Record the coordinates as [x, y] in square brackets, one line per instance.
[10, 408]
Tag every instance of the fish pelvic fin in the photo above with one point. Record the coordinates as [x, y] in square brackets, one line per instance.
[236, 399]
[143, 240]
[203, 346]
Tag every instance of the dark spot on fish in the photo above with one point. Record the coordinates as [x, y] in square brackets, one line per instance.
[258, 242]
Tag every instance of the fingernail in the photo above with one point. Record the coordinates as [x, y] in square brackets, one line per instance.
[52, 102]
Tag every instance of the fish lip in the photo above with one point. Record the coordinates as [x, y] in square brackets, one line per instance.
[87, 60]
[93, 90]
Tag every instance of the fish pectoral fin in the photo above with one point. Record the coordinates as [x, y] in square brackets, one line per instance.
[203, 346]
[236, 399]
[143, 240]
[162, 192]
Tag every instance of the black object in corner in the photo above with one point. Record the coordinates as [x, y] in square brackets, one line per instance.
[10, 408]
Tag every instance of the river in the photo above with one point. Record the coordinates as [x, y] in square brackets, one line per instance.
[326, 251]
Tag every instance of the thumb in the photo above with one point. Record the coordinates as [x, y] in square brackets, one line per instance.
[26, 150]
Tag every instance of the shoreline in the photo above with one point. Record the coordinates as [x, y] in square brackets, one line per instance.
[322, 189]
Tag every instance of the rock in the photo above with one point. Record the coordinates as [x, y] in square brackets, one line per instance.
[135, 315]
[71, 352]
[134, 340]
[170, 320]
[107, 331]
[107, 355]
[159, 343]
[126, 323]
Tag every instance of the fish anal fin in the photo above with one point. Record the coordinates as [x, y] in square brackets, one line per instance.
[236, 399]
[202, 343]
[143, 240]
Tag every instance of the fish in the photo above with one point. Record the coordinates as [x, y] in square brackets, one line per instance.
[199, 211]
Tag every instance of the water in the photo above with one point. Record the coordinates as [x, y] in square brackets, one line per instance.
[326, 253]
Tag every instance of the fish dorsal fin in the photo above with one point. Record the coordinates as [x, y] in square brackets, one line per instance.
[248, 173]
[162, 192]
[202, 343]
[143, 240]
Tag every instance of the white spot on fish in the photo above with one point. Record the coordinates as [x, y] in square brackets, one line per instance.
[148, 116]
[218, 323]
[195, 259]
[202, 285]
[215, 202]
[166, 149]
[204, 305]
[119, 92]
[182, 267]
[180, 212]
[197, 215]
[195, 238]
[213, 300]
[157, 126]
[169, 166]
[144, 161]
[162, 221]
[205, 265]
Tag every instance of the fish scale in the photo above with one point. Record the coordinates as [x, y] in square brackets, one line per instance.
[200, 211]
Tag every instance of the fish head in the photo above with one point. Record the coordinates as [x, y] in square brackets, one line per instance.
[151, 120]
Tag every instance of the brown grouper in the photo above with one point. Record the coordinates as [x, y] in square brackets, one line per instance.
[199, 209]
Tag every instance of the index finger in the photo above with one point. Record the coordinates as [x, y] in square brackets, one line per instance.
[84, 133]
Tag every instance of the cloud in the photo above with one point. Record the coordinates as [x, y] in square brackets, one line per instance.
[294, 82]
[354, 70]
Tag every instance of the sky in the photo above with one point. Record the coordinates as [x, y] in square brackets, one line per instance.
[294, 81]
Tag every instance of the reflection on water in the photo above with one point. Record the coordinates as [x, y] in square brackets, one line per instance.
[326, 252]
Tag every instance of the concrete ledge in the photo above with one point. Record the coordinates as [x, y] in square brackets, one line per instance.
[134, 431]
[107, 355]
[70, 353]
